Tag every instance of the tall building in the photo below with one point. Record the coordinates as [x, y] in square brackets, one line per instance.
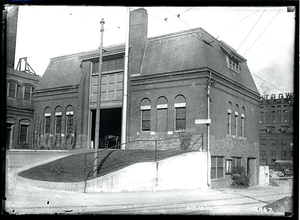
[187, 81]
[276, 128]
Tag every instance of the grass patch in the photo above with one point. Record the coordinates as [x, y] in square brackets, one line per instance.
[71, 168]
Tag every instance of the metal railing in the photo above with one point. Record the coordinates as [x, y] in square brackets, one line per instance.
[144, 150]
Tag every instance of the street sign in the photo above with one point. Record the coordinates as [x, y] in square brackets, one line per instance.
[202, 121]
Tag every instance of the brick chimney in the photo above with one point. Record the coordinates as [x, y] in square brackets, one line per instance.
[137, 39]
[11, 35]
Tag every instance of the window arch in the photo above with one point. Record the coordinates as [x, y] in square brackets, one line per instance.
[58, 120]
[69, 119]
[162, 114]
[180, 112]
[145, 114]
[47, 120]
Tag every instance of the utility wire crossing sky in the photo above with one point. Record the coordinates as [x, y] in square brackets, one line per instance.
[265, 36]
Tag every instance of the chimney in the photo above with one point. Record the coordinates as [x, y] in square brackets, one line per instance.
[11, 34]
[138, 29]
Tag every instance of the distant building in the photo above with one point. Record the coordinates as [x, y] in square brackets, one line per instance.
[276, 128]
[168, 94]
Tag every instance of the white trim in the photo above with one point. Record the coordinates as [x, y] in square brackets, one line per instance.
[170, 132]
[178, 105]
[242, 115]
[145, 107]
[236, 113]
[229, 111]
[202, 121]
[24, 123]
[152, 132]
[58, 113]
[160, 106]
[47, 114]
[69, 113]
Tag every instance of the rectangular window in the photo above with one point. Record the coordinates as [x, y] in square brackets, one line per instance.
[27, 92]
[229, 122]
[237, 161]
[47, 124]
[58, 119]
[263, 141]
[236, 125]
[272, 141]
[243, 125]
[279, 119]
[12, 90]
[228, 166]
[217, 167]
[69, 123]
[273, 119]
[180, 118]
[162, 117]
[146, 116]
[23, 133]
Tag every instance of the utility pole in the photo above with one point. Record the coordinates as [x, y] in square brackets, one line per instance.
[125, 84]
[97, 130]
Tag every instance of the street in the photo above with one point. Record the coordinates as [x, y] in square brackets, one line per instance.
[26, 199]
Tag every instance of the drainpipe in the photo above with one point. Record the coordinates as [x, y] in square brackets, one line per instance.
[125, 84]
[208, 132]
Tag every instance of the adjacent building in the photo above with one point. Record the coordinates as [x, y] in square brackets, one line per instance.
[183, 82]
[20, 86]
[276, 128]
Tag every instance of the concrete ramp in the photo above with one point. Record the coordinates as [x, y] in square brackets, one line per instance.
[185, 171]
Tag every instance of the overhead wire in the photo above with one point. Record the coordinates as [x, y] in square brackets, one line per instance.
[243, 54]
[237, 23]
[263, 31]
[252, 29]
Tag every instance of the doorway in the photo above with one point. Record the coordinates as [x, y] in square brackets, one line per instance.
[110, 127]
[251, 169]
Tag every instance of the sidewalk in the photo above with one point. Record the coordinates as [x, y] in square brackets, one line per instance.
[26, 199]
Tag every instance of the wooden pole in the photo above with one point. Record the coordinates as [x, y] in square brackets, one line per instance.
[97, 130]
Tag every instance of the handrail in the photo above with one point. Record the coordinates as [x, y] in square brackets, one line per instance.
[140, 140]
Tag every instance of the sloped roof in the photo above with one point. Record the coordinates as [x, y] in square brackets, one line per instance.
[193, 49]
[61, 72]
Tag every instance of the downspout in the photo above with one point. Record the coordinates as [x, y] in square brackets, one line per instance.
[125, 84]
[208, 132]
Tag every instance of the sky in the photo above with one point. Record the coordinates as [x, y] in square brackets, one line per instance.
[265, 36]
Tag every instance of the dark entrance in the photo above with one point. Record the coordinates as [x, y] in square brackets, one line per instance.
[8, 135]
[110, 127]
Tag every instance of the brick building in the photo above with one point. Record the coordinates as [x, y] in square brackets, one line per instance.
[179, 82]
[276, 128]
[20, 85]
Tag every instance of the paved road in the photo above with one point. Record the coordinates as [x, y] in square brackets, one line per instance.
[25, 199]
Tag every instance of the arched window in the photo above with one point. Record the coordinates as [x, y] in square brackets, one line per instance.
[162, 114]
[145, 114]
[69, 119]
[58, 120]
[243, 122]
[229, 111]
[47, 120]
[180, 113]
[236, 115]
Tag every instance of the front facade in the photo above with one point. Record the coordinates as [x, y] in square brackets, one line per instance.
[276, 128]
[185, 82]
